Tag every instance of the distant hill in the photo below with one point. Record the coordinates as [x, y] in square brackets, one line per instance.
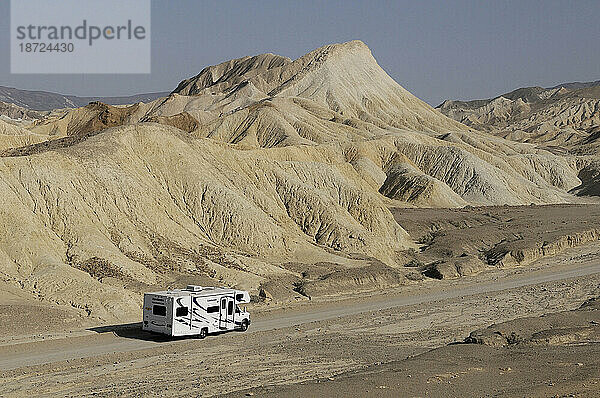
[46, 101]
[565, 117]
[576, 85]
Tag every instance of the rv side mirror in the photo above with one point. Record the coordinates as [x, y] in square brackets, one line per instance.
[245, 309]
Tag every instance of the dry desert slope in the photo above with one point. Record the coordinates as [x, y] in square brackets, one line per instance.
[257, 173]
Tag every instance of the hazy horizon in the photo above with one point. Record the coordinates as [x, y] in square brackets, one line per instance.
[460, 50]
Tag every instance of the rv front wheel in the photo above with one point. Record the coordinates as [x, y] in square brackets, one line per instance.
[244, 325]
[203, 333]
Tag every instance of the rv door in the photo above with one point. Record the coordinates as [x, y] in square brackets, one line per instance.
[223, 313]
[226, 313]
[182, 320]
[230, 313]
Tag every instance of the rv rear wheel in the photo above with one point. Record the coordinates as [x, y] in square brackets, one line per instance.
[203, 333]
[244, 325]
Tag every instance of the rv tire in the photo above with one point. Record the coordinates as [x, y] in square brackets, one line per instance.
[244, 325]
[203, 333]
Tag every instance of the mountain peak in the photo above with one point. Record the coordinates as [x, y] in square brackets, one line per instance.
[349, 46]
[236, 71]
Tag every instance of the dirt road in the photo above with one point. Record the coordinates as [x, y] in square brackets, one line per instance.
[128, 338]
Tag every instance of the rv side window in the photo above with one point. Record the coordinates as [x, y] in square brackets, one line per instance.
[181, 311]
[230, 308]
[159, 310]
[212, 309]
[239, 297]
[223, 304]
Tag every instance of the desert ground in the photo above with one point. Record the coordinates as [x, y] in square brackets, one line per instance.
[406, 341]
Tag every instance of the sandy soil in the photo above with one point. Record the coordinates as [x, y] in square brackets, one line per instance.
[540, 356]
[325, 344]
[465, 371]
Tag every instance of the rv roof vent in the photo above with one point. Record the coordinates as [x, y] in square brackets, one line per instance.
[194, 288]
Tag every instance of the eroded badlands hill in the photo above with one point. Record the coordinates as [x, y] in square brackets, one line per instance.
[564, 119]
[262, 172]
[566, 116]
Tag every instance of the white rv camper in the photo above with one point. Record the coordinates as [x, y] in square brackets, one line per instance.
[195, 310]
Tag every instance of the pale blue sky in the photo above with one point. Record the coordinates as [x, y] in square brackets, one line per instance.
[437, 50]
